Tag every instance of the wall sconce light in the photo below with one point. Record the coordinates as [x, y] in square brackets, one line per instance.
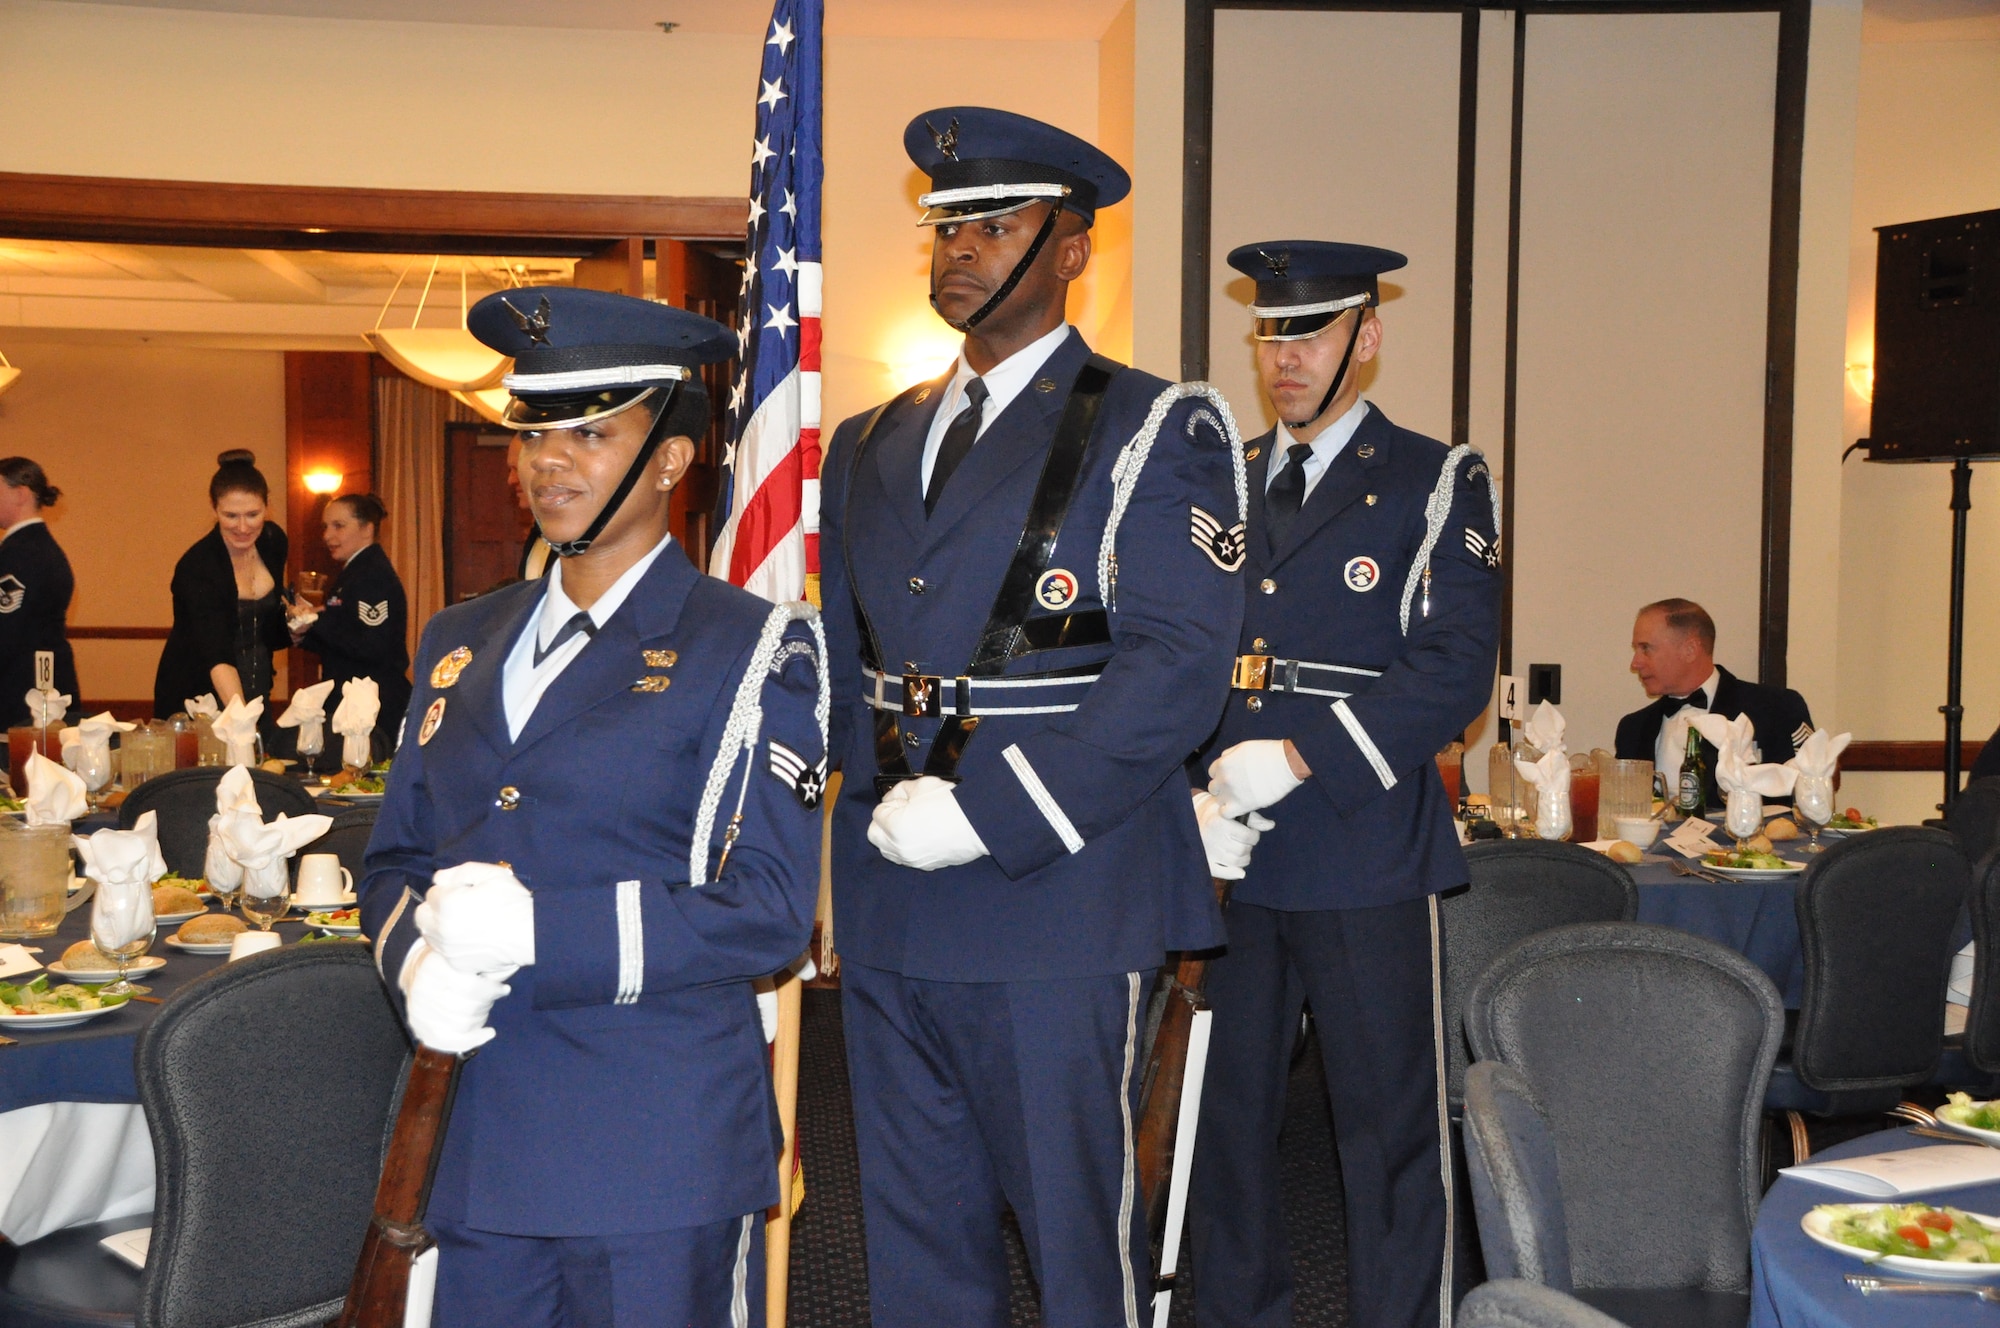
[1861, 380]
[323, 482]
[8, 374]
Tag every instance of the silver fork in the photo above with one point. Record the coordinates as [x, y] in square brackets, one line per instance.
[1688, 869]
[1913, 1113]
[1868, 1285]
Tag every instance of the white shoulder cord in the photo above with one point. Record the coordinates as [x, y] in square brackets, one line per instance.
[740, 733]
[1132, 460]
[1437, 511]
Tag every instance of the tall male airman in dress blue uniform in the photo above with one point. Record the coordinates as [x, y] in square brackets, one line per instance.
[1031, 594]
[557, 869]
[1368, 644]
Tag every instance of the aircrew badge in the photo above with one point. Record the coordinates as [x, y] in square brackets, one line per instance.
[447, 670]
[808, 782]
[652, 683]
[1225, 548]
[432, 718]
[661, 659]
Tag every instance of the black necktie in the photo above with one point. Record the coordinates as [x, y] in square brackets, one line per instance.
[1287, 493]
[1698, 698]
[957, 442]
[580, 624]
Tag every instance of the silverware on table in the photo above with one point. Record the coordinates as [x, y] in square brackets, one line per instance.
[1689, 869]
[1868, 1284]
[1910, 1111]
[1928, 1133]
[9, 1042]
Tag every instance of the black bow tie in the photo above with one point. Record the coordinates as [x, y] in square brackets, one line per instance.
[579, 625]
[1697, 698]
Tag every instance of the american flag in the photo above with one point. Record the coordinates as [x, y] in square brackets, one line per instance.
[768, 538]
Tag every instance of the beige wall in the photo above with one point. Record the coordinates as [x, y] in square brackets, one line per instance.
[130, 433]
[1928, 145]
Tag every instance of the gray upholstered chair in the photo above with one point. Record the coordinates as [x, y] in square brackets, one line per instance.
[1645, 1053]
[1519, 887]
[1518, 1304]
[1876, 915]
[185, 799]
[1510, 1155]
[268, 1086]
[1974, 818]
[1980, 1044]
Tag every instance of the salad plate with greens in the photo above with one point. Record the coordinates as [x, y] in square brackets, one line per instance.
[1849, 821]
[1912, 1238]
[42, 1004]
[1750, 865]
[1975, 1120]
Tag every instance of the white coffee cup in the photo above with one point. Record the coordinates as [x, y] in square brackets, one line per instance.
[322, 880]
[250, 942]
[1639, 831]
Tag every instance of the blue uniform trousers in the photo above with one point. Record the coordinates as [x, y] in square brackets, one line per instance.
[988, 1095]
[710, 1276]
[1367, 973]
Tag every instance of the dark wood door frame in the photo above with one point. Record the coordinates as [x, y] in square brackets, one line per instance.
[265, 216]
[1787, 162]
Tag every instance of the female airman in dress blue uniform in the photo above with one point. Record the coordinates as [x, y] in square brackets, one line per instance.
[602, 825]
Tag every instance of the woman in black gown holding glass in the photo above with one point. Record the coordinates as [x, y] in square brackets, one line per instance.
[229, 608]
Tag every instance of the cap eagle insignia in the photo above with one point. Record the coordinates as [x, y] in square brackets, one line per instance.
[1279, 263]
[947, 142]
[536, 325]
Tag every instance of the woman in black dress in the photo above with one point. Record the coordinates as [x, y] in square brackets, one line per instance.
[229, 611]
[35, 589]
[363, 629]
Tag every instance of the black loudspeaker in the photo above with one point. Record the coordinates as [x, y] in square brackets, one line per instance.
[1937, 340]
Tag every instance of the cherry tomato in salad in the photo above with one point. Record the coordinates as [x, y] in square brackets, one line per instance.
[1915, 1235]
[1935, 1221]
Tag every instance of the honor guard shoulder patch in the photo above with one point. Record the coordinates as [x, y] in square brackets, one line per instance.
[1056, 588]
[432, 718]
[1225, 548]
[790, 650]
[12, 593]
[1486, 551]
[1361, 574]
[807, 782]
[446, 671]
[372, 615]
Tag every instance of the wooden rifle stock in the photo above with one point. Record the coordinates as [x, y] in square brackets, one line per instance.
[1166, 1073]
[396, 1235]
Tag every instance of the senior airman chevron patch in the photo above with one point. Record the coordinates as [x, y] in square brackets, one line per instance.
[808, 782]
[1479, 547]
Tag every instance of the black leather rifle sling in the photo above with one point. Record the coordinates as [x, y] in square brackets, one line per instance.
[1006, 634]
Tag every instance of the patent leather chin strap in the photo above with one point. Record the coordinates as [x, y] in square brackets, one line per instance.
[654, 437]
[1339, 375]
[978, 315]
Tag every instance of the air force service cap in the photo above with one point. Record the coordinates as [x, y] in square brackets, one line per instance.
[582, 355]
[985, 162]
[1303, 286]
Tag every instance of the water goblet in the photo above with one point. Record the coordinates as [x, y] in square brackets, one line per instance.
[1744, 816]
[121, 928]
[1812, 797]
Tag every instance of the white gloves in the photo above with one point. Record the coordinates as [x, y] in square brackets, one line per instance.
[1227, 843]
[479, 918]
[447, 1009]
[919, 824]
[1251, 776]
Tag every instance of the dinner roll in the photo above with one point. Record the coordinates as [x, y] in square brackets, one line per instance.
[1759, 843]
[83, 957]
[1781, 829]
[171, 899]
[1623, 850]
[210, 928]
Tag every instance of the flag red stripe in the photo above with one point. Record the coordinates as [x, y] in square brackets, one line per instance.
[809, 344]
[768, 517]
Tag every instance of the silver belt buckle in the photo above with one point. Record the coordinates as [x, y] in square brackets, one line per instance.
[920, 696]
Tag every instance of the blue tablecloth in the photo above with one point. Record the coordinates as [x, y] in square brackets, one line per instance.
[1795, 1283]
[1755, 920]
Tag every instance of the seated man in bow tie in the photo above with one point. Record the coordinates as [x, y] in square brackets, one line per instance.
[1673, 652]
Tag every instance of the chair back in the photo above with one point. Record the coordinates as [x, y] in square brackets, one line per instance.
[1510, 1157]
[1519, 887]
[266, 1163]
[1974, 818]
[185, 799]
[1876, 915]
[347, 838]
[1518, 1304]
[1982, 1016]
[1649, 1050]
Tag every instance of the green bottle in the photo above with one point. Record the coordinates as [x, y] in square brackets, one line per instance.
[1692, 799]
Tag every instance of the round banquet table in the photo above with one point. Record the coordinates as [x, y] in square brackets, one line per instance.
[1755, 919]
[1795, 1283]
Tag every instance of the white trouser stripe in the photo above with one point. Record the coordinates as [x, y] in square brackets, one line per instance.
[1044, 801]
[1352, 724]
[631, 945]
[739, 1291]
[1128, 1196]
[1443, 1112]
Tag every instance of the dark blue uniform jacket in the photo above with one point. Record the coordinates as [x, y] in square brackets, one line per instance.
[363, 633]
[1096, 863]
[588, 1115]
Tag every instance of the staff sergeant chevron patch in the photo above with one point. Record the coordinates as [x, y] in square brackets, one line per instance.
[1225, 548]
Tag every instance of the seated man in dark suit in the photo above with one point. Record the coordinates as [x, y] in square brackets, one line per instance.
[1673, 652]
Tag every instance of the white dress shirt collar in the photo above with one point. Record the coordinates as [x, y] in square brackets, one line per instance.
[1669, 755]
[522, 680]
[1325, 448]
[1004, 381]
[22, 524]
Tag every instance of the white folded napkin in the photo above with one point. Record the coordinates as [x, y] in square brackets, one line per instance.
[235, 792]
[124, 863]
[307, 714]
[45, 708]
[236, 726]
[91, 741]
[1820, 754]
[354, 720]
[1544, 729]
[55, 795]
[203, 705]
[260, 850]
[1550, 776]
[301, 620]
[1736, 765]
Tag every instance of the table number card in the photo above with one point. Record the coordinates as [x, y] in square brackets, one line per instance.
[1692, 838]
[17, 959]
[45, 670]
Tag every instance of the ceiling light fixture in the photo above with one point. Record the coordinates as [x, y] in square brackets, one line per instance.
[449, 358]
[488, 403]
[666, 27]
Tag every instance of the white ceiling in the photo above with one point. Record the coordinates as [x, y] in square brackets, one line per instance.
[1075, 20]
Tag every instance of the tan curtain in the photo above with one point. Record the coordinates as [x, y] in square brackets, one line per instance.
[409, 466]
